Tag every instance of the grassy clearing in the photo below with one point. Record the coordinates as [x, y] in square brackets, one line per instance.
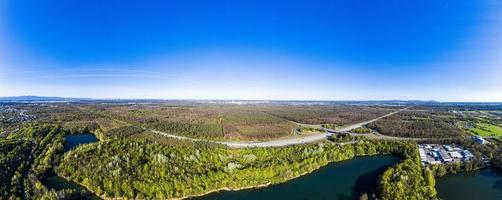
[486, 129]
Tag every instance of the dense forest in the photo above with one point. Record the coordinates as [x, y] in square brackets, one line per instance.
[150, 170]
[418, 124]
[235, 122]
[324, 114]
[14, 156]
[133, 162]
[362, 130]
[195, 130]
[26, 158]
[254, 122]
[408, 180]
[132, 165]
[228, 122]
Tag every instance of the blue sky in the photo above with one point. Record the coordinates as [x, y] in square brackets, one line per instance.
[253, 49]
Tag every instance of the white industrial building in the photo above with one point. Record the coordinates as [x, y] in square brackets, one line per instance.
[432, 154]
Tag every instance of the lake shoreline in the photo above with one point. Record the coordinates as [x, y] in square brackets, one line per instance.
[215, 190]
[224, 188]
[229, 189]
[478, 183]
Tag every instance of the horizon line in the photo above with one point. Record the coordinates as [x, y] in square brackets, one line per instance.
[230, 99]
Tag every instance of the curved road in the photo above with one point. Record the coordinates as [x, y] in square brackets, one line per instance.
[279, 142]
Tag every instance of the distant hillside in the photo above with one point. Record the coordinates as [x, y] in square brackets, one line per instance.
[37, 98]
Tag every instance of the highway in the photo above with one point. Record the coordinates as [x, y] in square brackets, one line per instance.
[285, 141]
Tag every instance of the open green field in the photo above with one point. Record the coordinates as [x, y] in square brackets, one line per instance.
[486, 129]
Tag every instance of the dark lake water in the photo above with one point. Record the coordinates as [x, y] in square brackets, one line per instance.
[340, 180]
[483, 184]
[74, 140]
[58, 183]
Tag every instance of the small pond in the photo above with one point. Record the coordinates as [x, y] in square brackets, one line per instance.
[56, 182]
[77, 139]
